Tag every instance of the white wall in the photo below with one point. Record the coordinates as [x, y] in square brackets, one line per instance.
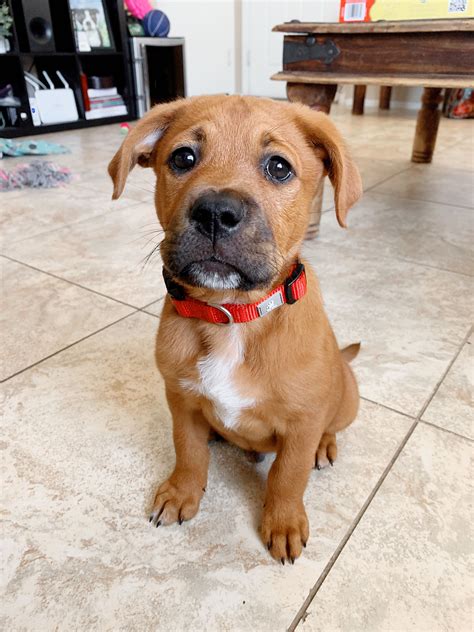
[222, 57]
[262, 50]
[209, 29]
[402, 97]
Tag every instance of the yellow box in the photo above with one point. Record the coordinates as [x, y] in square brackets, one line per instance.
[375, 10]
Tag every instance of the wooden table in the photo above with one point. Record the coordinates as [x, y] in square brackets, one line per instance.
[435, 54]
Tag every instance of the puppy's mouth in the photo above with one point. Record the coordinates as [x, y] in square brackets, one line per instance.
[213, 274]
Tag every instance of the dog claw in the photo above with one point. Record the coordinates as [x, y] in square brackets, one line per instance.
[180, 521]
[150, 518]
[269, 545]
[282, 560]
[331, 462]
[304, 544]
[158, 524]
[292, 560]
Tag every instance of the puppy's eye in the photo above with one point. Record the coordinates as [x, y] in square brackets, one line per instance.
[182, 159]
[279, 169]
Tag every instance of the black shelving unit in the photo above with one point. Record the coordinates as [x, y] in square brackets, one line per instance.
[70, 62]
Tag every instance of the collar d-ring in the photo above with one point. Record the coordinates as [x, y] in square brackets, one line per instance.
[225, 311]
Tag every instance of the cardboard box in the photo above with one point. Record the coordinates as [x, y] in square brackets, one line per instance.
[375, 10]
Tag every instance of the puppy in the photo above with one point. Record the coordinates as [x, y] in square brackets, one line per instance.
[244, 345]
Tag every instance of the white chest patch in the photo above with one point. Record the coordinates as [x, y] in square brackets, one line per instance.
[216, 383]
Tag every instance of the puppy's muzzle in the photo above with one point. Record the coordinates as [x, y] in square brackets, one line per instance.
[221, 241]
[217, 215]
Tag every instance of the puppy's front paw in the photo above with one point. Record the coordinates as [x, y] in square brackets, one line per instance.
[285, 530]
[176, 500]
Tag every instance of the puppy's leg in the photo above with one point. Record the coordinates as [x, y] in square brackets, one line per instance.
[285, 528]
[178, 498]
[327, 450]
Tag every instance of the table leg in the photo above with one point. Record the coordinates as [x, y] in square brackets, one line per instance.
[358, 100]
[384, 97]
[318, 96]
[427, 125]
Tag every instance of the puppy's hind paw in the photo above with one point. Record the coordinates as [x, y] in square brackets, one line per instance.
[326, 453]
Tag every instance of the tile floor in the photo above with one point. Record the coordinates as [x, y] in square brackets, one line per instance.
[87, 434]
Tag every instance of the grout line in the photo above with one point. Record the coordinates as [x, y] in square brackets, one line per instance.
[83, 287]
[413, 199]
[348, 533]
[393, 410]
[397, 173]
[360, 250]
[393, 175]
[73, 344]
[432, 267]
[144, 309]
[451, 432]
[313, 592]
[440, 381]
[79, 221]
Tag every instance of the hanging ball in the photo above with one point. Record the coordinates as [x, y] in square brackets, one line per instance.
[156, 24]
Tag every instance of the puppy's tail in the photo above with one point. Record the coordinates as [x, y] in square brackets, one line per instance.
[350, 352]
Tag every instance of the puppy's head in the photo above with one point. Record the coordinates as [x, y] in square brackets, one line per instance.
[235, 180]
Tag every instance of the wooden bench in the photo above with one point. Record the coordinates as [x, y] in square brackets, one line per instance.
[435, 54]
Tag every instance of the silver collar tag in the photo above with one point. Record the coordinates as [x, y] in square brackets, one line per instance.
[270, 303]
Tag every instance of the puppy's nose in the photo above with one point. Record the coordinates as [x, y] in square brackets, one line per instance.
[217, 215]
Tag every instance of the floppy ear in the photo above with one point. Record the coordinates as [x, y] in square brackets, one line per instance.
[140, 142]
[339, 166]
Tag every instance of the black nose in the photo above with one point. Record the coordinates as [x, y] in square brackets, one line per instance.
[217, 215]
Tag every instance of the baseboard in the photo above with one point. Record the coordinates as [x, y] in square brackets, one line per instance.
[373, 104]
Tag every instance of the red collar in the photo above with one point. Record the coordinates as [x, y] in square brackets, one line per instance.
[290, 291]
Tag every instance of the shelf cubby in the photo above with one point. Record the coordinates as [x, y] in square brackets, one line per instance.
[70, 62]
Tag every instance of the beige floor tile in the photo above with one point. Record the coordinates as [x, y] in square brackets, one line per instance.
[408, 564]
[433, 184]
[104, 253]
[432, 234]
[138, 188]
[371, 174]
[410, 319]
[35, 212]
[458, 155]
[155, 308]
[389, 136]
[87, 438]
[41, 315]
[452, 407]
[375, 172]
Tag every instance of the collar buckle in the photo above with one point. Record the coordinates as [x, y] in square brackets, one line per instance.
[290, 281]
[175, 290]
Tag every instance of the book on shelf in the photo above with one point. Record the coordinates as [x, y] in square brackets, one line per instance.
[101, 92]
[114, 110]
[95, 104]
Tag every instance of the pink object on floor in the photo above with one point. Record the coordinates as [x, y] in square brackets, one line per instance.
[34, 175]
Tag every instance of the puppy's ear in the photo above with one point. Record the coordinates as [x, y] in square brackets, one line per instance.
[140, 142]
[339, 166]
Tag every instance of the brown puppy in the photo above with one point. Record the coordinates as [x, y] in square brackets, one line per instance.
[235, 180]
